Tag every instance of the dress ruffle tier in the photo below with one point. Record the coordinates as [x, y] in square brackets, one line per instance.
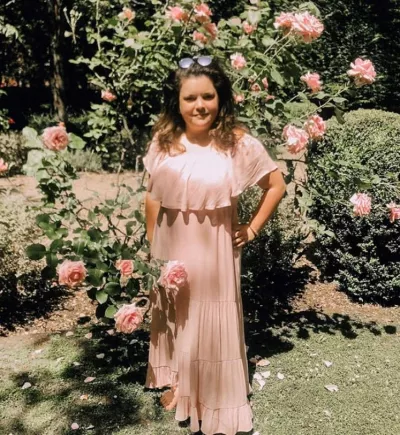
[197, 340]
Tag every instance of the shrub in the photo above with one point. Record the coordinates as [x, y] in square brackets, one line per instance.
[364, 254]
[13, 150]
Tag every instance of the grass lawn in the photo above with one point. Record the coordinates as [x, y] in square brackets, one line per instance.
[365, 368]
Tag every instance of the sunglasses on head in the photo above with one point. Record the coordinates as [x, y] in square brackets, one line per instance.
[186, 62]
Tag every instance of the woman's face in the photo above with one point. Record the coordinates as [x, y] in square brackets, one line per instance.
[198, 103]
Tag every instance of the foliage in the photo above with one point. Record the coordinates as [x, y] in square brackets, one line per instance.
[100, 236]
[13, 149]
[363, 254]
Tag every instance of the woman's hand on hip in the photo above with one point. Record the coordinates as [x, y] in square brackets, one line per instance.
[241, 234]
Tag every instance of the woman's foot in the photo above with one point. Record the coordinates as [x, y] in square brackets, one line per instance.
[169, 399]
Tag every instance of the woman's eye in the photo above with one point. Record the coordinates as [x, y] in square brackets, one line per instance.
[208, 97]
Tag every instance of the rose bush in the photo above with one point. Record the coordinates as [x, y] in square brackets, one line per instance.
[129, 66]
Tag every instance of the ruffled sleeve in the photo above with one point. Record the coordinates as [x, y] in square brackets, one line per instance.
[251, 162]
[153, 157]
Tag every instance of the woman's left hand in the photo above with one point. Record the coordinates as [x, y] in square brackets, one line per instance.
[241, 234]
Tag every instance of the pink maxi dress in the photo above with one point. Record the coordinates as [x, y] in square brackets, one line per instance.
[197, 341]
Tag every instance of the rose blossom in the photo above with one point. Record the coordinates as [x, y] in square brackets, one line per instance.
[362, 204]
[315, 126]
[55, 138]
[108, 96]
[394, 211]
[125, 267]
[238, 61]
[128, 318]
[3, 166]
[173, 276]
[238, 98]
[10, 121]
[71, 273]
[270, 97]
[264, 81]
[307, 26]
[211, 28]
[255, 87]
[248, 28]
[200, 37]
[202, 13]
[296, 138]
[363, 72]
[176, 13]
[126, 14]
[284, 21]
[312, 80]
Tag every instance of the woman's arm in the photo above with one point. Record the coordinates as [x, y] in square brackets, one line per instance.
[275, 187]
[152, 208]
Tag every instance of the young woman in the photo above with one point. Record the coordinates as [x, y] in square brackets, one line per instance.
[200, 160]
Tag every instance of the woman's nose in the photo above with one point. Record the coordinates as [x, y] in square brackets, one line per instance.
[199, 103]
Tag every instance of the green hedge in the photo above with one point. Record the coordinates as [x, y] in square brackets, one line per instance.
[361, 155]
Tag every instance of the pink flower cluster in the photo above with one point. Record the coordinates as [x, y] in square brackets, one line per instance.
[313, 81]
[3, 166]
[315, 127]
[128, 318]
[71, 273]
[303, 25]
[108, 96]
[202, 13]
[296, 138]
[126, 267]
[55, 138]
[362, 71]
[248, 28]
[394, 211]
[127, 14]
[177, 14]
[173, 276]
[238, 61]
[362, 204]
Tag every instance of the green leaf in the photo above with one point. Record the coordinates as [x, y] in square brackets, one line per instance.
[277, 77]
[76, 142]
[110, 311]
[95, 277]
[113, 288]
[35, 251]
[94, 234]
[101, 297]
[268, 41]
[48, 273]
[51, 260]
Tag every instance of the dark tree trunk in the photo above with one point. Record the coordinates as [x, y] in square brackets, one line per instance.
[56, 53]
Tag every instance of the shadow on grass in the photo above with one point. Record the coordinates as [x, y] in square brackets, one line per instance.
[25, 298]
[115, 398]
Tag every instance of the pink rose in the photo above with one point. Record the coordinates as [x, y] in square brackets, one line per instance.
[125, 267]
[296, 138]
[264, 81]
[177, 14]
[3, 166]
[307, 26]
[211, 28]
[255, 87]
[55, 138]
[270, 97]
[248, 28]
[202, 13]
[71, 273]
[315, 126]
[11, 121]
[312, 80]
[200, 37]
[128, 318]
[238, 98]
[363, 72]
[126, 14]
[394, 211]
[238, 61]
[284, 21]
[108, 96]
[173, 276]
[362, 204]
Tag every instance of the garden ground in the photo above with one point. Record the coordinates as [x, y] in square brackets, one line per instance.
[322, 343]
